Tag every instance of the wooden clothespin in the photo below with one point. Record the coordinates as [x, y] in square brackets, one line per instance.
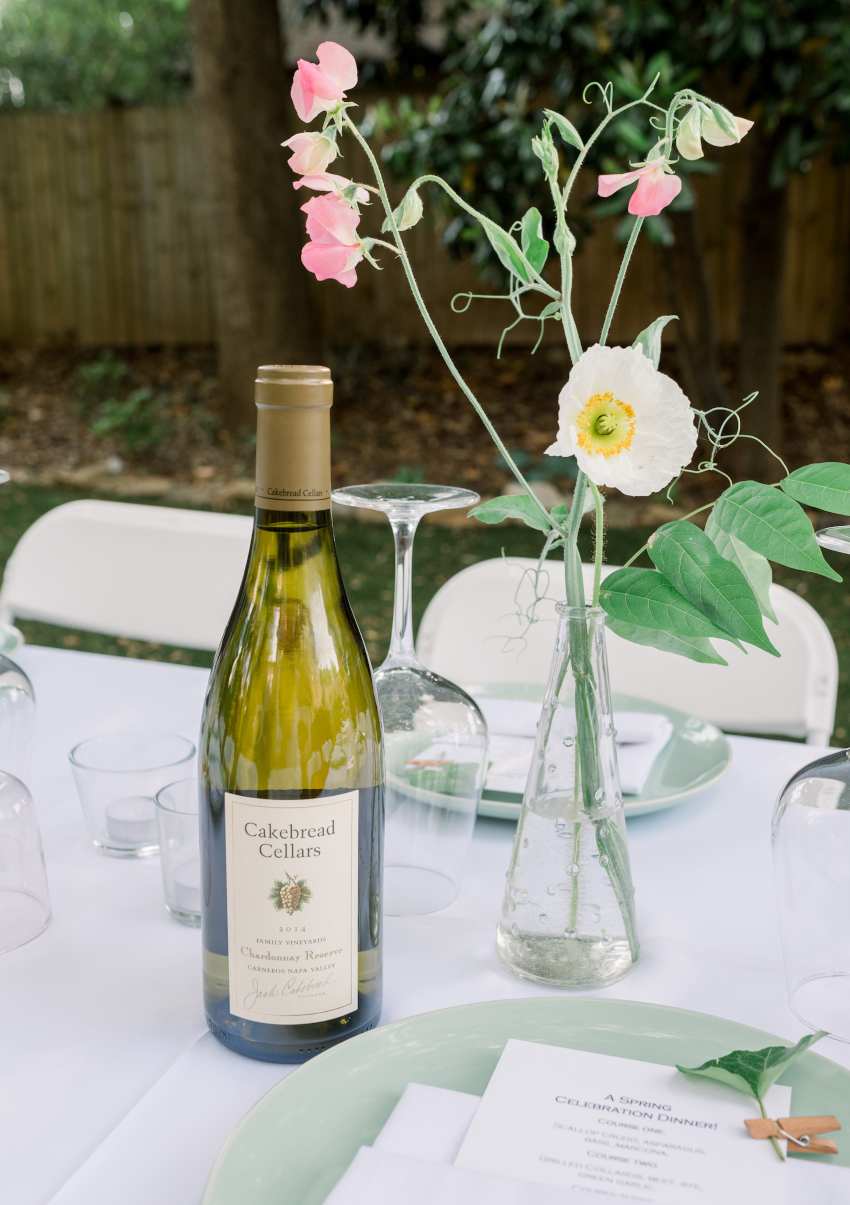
[800, 1133]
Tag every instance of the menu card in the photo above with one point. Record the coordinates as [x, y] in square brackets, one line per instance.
[627, 1130]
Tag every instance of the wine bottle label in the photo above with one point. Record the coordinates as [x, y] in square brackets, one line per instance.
[292, 907]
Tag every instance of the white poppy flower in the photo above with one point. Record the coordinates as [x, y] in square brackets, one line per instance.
[628, 425]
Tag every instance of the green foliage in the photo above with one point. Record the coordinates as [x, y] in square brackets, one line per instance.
[753, 1071]
[784, 64]
[135, 416]
[643, 598]
[754, 566]
[534, 245]
[512, 506]
[770, 522]
[98, 379]
[137, 419]
[823, 486]
[509, 254]
[84, 54]
[694, 648]
[693, 566]
[716, 583]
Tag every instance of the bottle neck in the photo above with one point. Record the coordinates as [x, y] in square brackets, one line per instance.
[293, 459]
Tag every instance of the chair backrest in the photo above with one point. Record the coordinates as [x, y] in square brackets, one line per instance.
[474, 632]
[146, 572]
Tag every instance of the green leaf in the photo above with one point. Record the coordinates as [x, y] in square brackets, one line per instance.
[508, 251]
[511, 506]
[565, 128]
[534, 245]
[755, 568]
[824, 486]
[645, 599]
[649, 339]
[772, 523]
[753, 1071]
[693, 566]
[695, 648]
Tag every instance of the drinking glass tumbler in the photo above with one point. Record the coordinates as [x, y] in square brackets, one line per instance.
[24, 899]
[179, 849]
[117, 777]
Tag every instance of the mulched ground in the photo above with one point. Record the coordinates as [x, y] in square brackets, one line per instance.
[397, 415]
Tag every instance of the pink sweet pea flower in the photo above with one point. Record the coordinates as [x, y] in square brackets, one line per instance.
[334, 249]
[330, 182]
[311, 153]
[656, 188]
[318, 87]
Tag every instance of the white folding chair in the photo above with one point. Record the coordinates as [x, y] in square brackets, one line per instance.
[146, 572]
[474, 633]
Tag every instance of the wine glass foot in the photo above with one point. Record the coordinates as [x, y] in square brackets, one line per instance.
[417, 891]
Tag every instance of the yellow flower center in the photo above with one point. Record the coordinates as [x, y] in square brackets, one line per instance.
[606, 426]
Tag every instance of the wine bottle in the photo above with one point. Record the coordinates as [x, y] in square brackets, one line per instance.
[290, 764]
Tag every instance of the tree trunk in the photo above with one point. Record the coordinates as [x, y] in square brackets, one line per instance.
[763, 229]
[690, 298]
[265, 308]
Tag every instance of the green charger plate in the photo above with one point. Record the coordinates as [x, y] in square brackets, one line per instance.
[696, 755]
[297, 1142]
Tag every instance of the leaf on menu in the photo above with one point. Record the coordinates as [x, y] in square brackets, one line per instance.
[512, 506]
[824, 486]
[717, 587]
[753, 1071]
[772, 523]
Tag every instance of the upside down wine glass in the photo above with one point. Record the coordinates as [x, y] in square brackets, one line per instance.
[435, 737]
[811, 853]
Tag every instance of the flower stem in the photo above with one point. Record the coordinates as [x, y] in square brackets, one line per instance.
[774, 1141]
[435, 334]
[483, 221]
[598, 542]
[621, 276]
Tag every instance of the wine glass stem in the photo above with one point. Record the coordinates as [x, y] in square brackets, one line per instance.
[401, 641]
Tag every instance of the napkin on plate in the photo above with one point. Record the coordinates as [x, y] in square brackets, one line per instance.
[412, 1161]
[512, 725]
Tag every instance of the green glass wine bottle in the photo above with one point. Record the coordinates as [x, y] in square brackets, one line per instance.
[290, 764]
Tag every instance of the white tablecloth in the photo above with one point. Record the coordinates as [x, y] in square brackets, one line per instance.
[110, 1088]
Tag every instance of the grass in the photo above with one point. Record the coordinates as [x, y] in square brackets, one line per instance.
[366, 556]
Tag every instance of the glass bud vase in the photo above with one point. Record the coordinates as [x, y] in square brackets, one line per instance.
[568, 913]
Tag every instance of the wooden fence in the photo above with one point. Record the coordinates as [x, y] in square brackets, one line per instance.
[106, 238]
